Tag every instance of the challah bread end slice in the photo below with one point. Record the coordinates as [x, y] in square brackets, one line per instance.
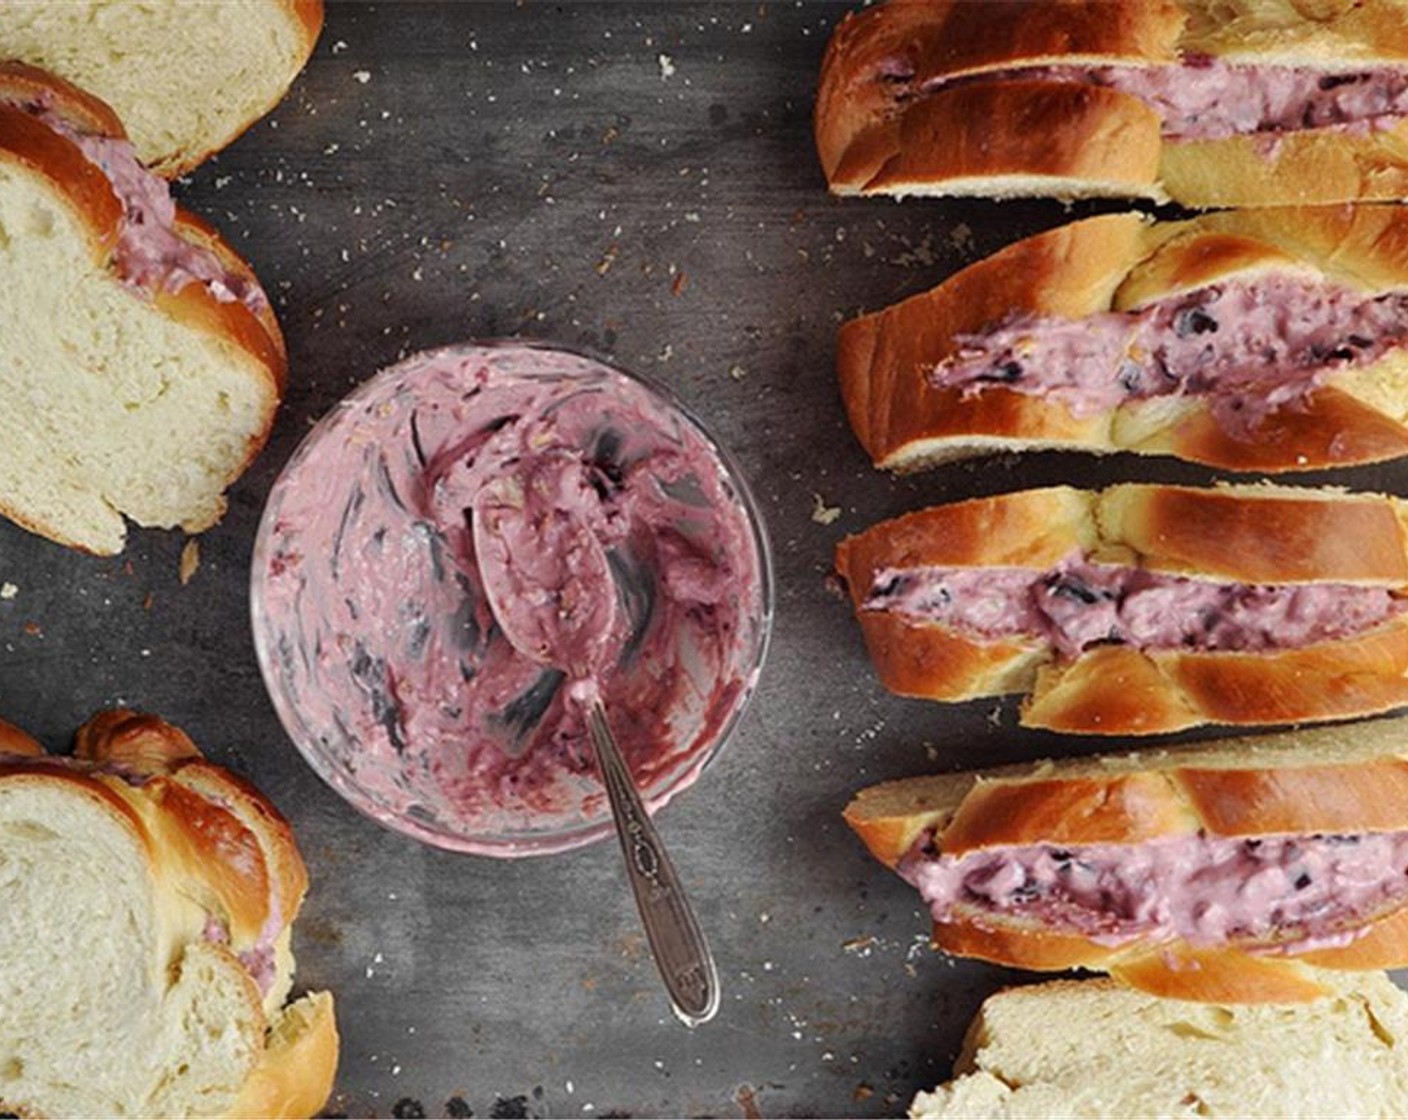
[909, 92]
[1356, 412]
[130, 990]
[865, 143]
[1094, 1049]
[137, 396]
[1230, 536]
[1323, 781]
[186, 79]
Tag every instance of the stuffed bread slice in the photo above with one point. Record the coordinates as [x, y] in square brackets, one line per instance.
[1259, 340]
[150, 897]
[1228, 873]
[140, 358]
[1204, 103]
[185, 78]
[1142, 608]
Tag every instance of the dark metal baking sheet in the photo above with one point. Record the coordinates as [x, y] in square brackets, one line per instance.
[638, 179]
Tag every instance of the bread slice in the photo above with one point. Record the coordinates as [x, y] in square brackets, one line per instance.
[1095, 1050]
[1323, 781]
[140, 358]
[147, 926]
[910, 91]
[1336, 406]
[1259, 542]
[185, 78]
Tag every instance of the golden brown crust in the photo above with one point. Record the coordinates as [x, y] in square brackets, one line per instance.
[1110, 810]
[1117, 262]
[13, 741]
[1025, 529]
[20, 82]
[1331, 779]
[1259, 534]
[134, 740]
[878, 103]
[1244, 534]
[1212, 976]
[1055, 132]
[1115, 690]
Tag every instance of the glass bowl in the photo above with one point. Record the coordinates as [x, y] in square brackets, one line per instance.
[382, 656]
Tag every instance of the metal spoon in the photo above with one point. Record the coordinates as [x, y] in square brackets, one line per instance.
[567, 601]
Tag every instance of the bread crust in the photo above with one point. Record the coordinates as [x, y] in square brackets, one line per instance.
[879, 131]
[251, 339]
[1237, 534]
[229, 849]
[1328, 780]
[1118, 262]
[1051, 134]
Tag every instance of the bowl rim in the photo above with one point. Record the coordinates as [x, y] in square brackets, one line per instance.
[512, 844]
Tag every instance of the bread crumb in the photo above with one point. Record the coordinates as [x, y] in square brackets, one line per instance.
[190, 560]
[737, 372]
[667, 67]
[822, 513]
[363, 76]
[8, 590]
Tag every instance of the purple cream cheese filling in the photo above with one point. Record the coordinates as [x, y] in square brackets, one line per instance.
[1292, 892]
[151, 254]
[1078, 604]
[1210, 99]
[379, 599]
[1249, 347]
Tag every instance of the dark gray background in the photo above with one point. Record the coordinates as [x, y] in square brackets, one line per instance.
[638, 179]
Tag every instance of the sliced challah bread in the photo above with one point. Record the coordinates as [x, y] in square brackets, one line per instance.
[146, 902]
[1255, 340]
[1142, 609]
[1205, 102]
[140, 362]
[1246, 871]
[1091, 1049]
[186, 78]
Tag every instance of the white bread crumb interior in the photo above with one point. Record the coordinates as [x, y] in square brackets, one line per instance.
[113, 406]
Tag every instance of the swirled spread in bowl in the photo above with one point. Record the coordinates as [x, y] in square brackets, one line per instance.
[377, 636]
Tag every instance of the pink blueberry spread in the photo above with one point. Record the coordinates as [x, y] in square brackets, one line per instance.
[604, 518]
[1207, 98]
[151, 253]
[1079, 604]
[1297, 892]
[1248, 347]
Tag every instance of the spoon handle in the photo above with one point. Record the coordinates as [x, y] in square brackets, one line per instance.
[681, 953]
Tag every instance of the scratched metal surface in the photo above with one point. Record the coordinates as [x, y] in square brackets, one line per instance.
[638, 179]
